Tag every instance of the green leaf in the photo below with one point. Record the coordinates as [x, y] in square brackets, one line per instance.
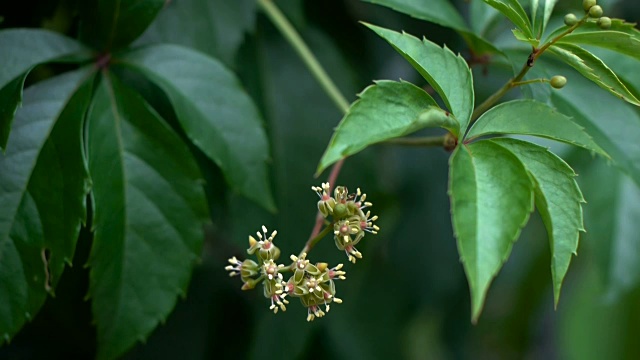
[149, 211]
[108, 25]
[520, 36]
[23, 49]
[215, 112]
[617, 25]
[541, 13]
[491, 199]
[558, 200]
[443, 13]
[530, 117]
[447, 73]
[593, 69]
[384, 111]
[214, 27]
[617, 41]
[44, 185]
[612, 215]
[514, 11]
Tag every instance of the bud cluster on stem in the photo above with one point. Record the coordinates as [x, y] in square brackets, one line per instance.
[313, 284]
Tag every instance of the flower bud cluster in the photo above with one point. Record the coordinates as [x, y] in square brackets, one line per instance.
[349, 219]
[313, 284]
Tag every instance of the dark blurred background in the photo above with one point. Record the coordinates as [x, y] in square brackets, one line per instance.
[408, 298]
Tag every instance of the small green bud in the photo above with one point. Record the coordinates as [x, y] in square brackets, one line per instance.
[604, 23]
[340, 211]
[570, 19]
[558, 82]
[596, 11]
[587, 4]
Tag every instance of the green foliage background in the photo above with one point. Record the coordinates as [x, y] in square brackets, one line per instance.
[408, 297]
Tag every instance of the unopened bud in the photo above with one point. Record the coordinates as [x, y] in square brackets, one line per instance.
[604, 23]
[558, 82]
[570, 19]
[596, 11]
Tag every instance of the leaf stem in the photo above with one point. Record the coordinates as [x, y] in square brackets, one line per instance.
[532, 81]
[516, 80]
[314, 240]
[425, 141]
[295, 40]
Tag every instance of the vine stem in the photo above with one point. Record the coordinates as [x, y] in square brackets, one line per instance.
[295, 40]
[517, 80]
[418, 141]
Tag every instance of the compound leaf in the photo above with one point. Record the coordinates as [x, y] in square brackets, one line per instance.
[591, 67]
[23, 49]
[558, 200]
[491, 199]
[447, 73]
[44, 184]
[530, 117]
[384, 111]
[514, 11]
[149, 211]
[215, 112]
[108, 25]
[443, 13]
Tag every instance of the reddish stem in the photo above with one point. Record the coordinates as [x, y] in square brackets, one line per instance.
[335, 170]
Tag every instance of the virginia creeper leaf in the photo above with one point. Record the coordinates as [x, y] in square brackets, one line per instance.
[215, 27]
[530, 117]
[514, 11]
[593, 69]
[617, 25]
[23, 49]
[491, 199]
[215, 112]
[44, 185]
[108, 25]
[443, 13]
[558, 200]
[149, 211]
[623, 43]
[447, 73]
[540, 14]
[384, 111]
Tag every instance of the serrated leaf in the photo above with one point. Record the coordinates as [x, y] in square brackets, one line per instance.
[149, 211]
[491, 199]
[617, 41]
[540, 14]
[214, 27]
[215, 112]
[108, 25]
[23, 49]
[443, 13]
[447, 73]
[617, 25]
[514, 11]
[520, 36]
[558, 200]
[384, 111]
[593, 69]
[44, 184]
[530, 117]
